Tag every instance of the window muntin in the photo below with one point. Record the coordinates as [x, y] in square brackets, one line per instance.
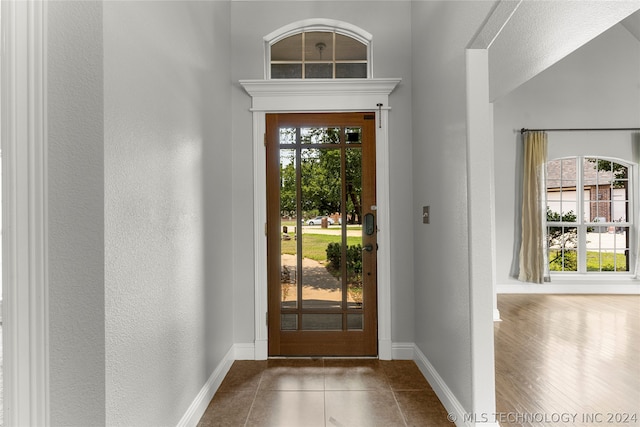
[589, 226]
[318, 55]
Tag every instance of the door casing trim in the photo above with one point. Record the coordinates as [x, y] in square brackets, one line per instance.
[24, 156]
[330, 96]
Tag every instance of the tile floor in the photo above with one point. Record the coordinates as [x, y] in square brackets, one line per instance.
[325, 393]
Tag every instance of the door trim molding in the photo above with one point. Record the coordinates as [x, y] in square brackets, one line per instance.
[24, 149]
[330, 96]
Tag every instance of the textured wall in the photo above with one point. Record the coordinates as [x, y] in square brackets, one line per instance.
[76, 220]
[389, 23]
[441, 32]
[168, 282]
[596, 86]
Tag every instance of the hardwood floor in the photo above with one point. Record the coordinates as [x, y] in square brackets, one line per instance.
[568, 360]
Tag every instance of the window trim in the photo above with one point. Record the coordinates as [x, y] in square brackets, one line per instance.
[581, 225]
[319, 25]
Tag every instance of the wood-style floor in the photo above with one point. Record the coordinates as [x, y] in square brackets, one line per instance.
[570, 356]
[325, 392]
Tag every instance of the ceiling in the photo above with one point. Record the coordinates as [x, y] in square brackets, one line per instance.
[525, 37]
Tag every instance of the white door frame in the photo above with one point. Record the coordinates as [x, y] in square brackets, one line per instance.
[284, 96]
[24, 192]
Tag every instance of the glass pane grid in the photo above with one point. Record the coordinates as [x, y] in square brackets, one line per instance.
[287, 136]
[321, 322]
[288, 222]
[287, 49]
[318, 46]
[321, 231]
[562, 247]
[605, 227]
[329, 135]
[612, 251]
[318, 71]
[355, 322]
[350, 49]
[319, 55]
[286, 71]
[288, 322]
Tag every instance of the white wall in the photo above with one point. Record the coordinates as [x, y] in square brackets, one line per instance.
[168, 205]
[441, 32]
[389, 22]
[596, 86]
[75, 214]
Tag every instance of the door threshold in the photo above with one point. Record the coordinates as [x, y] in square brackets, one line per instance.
[322, 357]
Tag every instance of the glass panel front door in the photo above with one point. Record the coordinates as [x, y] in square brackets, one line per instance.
[321, 234]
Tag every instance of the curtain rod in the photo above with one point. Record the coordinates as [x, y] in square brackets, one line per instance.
[523, 130]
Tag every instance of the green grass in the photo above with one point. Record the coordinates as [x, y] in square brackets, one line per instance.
[314, 246]
[593, 261]
[292, 223]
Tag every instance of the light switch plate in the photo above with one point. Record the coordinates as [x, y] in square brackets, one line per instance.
[425, 215]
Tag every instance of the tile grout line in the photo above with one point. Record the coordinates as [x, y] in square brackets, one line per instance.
[395, 399]
[404, 418]
[255, 396]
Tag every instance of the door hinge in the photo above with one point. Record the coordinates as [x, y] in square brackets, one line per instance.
[265, 228]
[265, 139]
[266, 319]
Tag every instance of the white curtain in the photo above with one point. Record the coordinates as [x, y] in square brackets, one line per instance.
[534, 266]
[636, 158]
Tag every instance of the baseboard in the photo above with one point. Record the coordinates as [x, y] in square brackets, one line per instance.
[244, 351]
[452, 405]
[626, 288]
[403, 351]
[496, 315]
[457, 413]
[201, 402]
[261, 350]
[385, 350]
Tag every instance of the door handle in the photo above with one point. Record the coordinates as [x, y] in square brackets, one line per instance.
[368, 248]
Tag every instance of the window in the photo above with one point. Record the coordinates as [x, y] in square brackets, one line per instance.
[318, 49]
[589, 215]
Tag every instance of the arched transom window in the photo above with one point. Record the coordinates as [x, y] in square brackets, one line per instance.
[318, 49]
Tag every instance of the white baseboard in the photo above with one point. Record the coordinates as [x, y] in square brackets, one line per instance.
[628, 288]
[201, 402]
[244, 351]
[261, 351]
[385, 350]
[456, 411]
[403, 351]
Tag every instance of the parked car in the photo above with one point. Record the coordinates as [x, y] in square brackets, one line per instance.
[318, 220]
